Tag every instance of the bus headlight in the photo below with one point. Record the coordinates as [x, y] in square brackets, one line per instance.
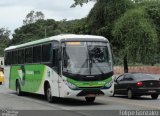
[108, 85]
[71, 86]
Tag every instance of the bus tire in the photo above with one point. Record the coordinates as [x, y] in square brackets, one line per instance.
[90, 99]
[18, 89]
[49, 94]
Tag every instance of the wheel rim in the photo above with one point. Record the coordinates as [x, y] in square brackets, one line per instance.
[49, 96]
[129, 94]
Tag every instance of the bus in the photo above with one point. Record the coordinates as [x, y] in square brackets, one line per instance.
[66, 65]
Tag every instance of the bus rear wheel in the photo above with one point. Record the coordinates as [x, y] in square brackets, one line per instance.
[18, 89]
[90, 99]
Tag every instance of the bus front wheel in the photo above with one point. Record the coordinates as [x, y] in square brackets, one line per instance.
[90, 99]
[49, 94]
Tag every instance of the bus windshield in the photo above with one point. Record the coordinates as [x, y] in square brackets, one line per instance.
[86, 58]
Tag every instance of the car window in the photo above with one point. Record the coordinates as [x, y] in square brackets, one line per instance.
[120, 78]
[128, 77]
[141, 77]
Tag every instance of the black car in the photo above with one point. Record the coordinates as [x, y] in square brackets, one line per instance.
[137, 84]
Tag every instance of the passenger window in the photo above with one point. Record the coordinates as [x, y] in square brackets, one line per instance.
[21, 56]
[46, 53]
[28, 55]
[37, 54]
[15, 57]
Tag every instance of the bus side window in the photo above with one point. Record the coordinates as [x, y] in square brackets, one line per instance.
[55, 59]
[46, 53]
[21, 56]
[28, 55]
[37, 54]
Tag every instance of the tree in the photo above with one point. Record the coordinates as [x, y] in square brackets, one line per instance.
[103, 15]
[4, 38]
[153, 10]
[80, 2]
[38, 30]
[32, 17]
[136, 37]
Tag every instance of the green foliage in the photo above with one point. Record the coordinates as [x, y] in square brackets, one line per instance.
[4, 38]
[132, 26]
[32, 17]
[105, 12]
[135, 35]
[78, 26]
[37, 30]
[153, 10]
[80, 2]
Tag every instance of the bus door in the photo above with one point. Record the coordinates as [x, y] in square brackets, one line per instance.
[56, 71]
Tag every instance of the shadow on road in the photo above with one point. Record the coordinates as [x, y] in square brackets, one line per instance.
[61, 101]
[135, 98]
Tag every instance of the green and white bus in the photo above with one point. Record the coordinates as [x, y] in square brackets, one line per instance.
[61, 66]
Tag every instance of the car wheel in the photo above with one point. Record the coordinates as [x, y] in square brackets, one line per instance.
[18, 89]
[90, 99]
[130, 94]
[49, 94]
[0, 83]
[154, 96]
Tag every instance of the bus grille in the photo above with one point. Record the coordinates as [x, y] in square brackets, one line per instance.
[86, 92]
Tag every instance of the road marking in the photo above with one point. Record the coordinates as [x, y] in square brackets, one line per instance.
[48, 104]
[105, 99]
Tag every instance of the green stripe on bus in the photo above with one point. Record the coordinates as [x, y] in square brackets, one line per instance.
[90, 83]
[29, 76]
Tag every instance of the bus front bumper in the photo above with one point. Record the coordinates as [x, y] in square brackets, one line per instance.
[88, 93]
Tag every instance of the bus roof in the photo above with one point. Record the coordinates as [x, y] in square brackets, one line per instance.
[57, 38]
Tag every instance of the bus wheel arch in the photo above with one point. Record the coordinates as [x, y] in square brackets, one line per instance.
[47, 92]
[46, 84]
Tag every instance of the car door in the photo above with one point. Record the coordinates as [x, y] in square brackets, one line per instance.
[127, 83]
[118, 84]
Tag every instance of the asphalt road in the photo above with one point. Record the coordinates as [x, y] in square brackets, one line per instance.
[76, 106]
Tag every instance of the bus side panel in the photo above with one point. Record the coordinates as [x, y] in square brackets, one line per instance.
[53, 78]
[29, 76]
[6, 76]
[12, 78]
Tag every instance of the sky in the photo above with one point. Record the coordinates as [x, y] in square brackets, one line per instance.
[13, 12]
